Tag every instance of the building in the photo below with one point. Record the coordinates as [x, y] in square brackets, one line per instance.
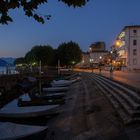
[127, 47]
[97, 53]
[85, 63]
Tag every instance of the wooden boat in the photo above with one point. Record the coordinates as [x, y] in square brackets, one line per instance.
[39, 101]
[12, 131]
[63, 83]
[51, 95]
[55, 89]
[13, 111]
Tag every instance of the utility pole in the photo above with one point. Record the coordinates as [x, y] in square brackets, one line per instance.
[58, 67]
[40, 77]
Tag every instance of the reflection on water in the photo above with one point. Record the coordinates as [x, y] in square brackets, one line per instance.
[8, 70]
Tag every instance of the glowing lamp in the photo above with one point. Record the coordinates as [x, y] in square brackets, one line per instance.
[118, 43]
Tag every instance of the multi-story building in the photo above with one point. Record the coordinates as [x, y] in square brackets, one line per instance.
[97, 52]
[85, 63]
[127, 47]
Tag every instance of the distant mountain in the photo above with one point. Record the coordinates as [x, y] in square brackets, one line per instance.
[8, 60]
[3, 63]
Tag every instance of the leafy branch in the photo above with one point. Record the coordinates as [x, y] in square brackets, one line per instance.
[29, 7]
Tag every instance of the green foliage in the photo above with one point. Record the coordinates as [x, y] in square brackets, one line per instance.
[30, 7]
[75, 3]
[20, 60]
[69, 53]
[44, 54]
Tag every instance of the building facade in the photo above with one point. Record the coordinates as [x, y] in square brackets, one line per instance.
[127, 47]
[97, 53]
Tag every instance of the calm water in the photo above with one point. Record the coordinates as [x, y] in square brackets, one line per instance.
[9, 70]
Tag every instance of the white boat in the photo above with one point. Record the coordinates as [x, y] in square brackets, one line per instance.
[12, 131]
[55, 89]
[65, 82]
[51, 95]
[60, 84]
[12, 110]
[42, 99]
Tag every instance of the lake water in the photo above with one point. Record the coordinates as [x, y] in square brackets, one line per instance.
[7, 70]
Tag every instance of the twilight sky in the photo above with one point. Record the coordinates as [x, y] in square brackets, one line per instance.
[99, 20]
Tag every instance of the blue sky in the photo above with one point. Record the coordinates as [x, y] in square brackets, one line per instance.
[99, 20]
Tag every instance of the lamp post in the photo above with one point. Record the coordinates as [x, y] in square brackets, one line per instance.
[111, 68]
[40, 77]
[90, 49]
[100, 59]
[58, 67]
[91, 63]
[73, 63]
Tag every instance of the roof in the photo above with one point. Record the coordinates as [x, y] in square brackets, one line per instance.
[131, 26]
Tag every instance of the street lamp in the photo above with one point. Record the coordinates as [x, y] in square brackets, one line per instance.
[90, 49]
[118, 43]
[111, 69]
[91, 63]
[100, 58]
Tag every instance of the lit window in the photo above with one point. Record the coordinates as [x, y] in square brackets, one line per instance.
[134, 61]
[134, 52]
[134, 42]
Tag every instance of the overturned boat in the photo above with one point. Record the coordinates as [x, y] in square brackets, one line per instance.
[12, 111]
[12, 131]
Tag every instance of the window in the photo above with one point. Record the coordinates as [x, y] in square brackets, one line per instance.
[134, 61]
[135, 31]
[134, 52]
[134, 42]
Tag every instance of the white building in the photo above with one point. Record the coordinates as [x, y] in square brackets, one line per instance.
[85, 63]
[97, 53]
[127, 47]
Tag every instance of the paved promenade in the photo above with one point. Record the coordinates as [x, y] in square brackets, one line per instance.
[127, 77]
[88, 115]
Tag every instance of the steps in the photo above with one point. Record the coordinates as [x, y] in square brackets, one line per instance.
[125, 100]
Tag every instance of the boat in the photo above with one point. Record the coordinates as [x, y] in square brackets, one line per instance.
[50, 95]
[13, 131]
[55, 89]
[40, 101]
[63, 83]
[12, 111]
[36, 99]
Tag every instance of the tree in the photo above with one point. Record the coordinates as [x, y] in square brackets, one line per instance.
[69, 53]
[44, 54]
[30, 7]
[20, 60]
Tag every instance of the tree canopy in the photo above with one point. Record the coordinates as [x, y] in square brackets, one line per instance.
[20, 60]
[30, 8]
[69, 53]
[44, 54]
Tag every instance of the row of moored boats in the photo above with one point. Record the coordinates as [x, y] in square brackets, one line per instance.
[16, 115]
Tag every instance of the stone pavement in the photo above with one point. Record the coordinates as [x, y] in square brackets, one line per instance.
[88, 115]
[127, 77]
[131, 78]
